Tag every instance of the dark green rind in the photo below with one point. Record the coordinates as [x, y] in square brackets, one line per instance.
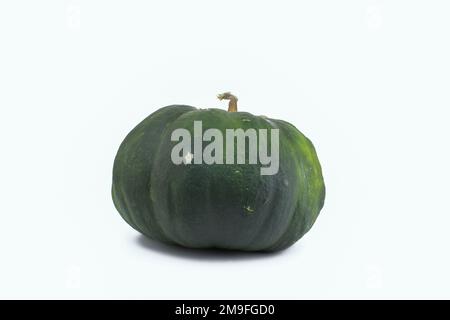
[216, 206]
[132, 169]
[311, 193]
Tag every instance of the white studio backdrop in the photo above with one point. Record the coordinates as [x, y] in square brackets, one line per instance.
[367, 81]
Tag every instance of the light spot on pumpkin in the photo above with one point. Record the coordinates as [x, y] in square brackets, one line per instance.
[188, 158]
[249, 209]
[246, 120]
[286, 182]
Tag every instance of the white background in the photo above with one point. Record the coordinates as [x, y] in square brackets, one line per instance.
[367, 81]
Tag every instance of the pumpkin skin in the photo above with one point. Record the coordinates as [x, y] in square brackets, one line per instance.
[221, 206]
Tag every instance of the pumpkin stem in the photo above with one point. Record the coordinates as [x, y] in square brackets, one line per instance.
[232, 104]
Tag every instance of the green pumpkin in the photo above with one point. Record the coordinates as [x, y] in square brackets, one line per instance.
[222, 206]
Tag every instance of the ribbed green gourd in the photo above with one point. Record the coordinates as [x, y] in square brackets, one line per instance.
[222, 206]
